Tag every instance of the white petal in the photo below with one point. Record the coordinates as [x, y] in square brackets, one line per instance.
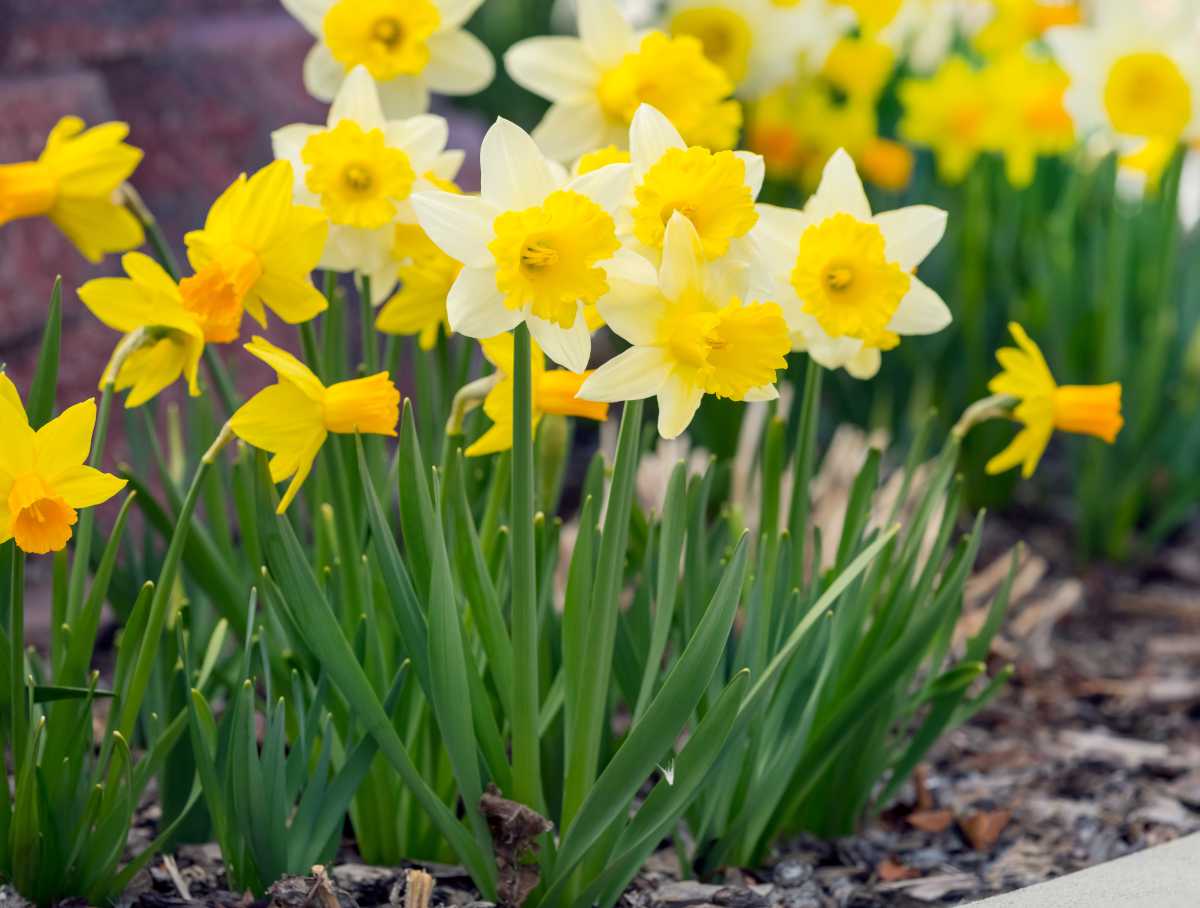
[449, 163]
[475, 306]
[513, 172]
[288, 142]
[677, 404]
[763, 392]
[570, 347]
[637, 373]
[570, 130]
[864, 364]
[633, 311]
[357, 100]
[404, 96]
[455, 12]
[552, 66]
[605, 33]
[911, 233]
[309, 13]
[756, 170]
[627, 265]
[920, 312]
[831, 352]
[840, 190]
[651, 134]
[777, 236]
[682, 259]
[422, 137]
[461, 225]
[459, 64]
[725, 279]
[323, 74]
[608, 187]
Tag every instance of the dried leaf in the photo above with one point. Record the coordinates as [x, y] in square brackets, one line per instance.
[890, 871]
[983, 828]
[515, 829]
[931, 820]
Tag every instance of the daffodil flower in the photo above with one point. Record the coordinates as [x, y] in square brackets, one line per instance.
[419, 304]
[1016, 23]
[535, 245]
[949, 112]
[554, 392]
[596, 83]
[292, 418]
[1029, 118]
[409, 47]
[362, 169]
[714, 190]
[693, 330]
[1135, 77]
[43, 478]
[259, 248]
[75, 183]
[844, 276]
[1043, 405]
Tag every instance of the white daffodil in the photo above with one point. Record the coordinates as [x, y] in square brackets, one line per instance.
[362, 170]
[693, 330]
[714, 190]
[597, 81]
[844, 276]
[535, 245]
[410, 47]
[1135, 77]
[761, 44]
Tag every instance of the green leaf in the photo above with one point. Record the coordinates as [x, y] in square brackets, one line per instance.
[40, 403]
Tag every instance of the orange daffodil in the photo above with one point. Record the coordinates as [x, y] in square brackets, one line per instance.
[535, 245]
[362, 169]
[409, 47]
[76, 183]
[845, 277]
[596, 83]
[292, 418]
[43, 478]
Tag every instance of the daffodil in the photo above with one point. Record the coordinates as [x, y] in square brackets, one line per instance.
[845, 277]
[1028, 118]
[409, 47]
[535, 245]
[1135, 77]
[921, 32]
[714, 190]
[596, 83]
[1015, 23]
[292, 418]
[426, 276]
[76, 183]
[948, 112]
[554, 392]
[259, 248]
[44, 481]
[166, 325]
[860, 67]
[362, 170]
[694, 330]
[1043, 405]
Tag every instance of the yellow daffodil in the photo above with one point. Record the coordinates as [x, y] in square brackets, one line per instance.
[409, 47]
[596, 83]
[948, 112]
[43, 479]
[292, 419]
[259, 248]
[1043, 405]
[887, 163]
[554, 392]
[694, 330]
[601, 157]
[860, 67]
[920, 32]
[419, 305]
[1135, 77]
[873, 15]
[174, 321]
[1015, 23]
[845, 277]
[535, 245]
[76, 183]
[714, 190]
[361, 170]
[1028, 118]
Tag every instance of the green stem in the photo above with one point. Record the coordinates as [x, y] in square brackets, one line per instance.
[162, 249]
[16, 632]
[802, 469]
[526, 746]
[370, 346]
[222, 379]
[80, 560]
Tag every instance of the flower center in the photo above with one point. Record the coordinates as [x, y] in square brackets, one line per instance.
[725, 36]
[26, 190]
[359, 178]
[1147, 95]
[41, 520]
[845, 282]
[216, 292]
[546, 256]
[708, 189]
[727, 351]
[388, 37]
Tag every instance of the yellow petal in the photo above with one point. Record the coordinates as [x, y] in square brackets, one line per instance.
[65, 441]
[287, 367]
[16, 454]
[280, 419]
[85, 487]
[97, 226]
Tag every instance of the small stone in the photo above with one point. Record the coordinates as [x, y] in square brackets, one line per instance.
[684, 892]
[738, 897]
[807, 895]
[792, 872]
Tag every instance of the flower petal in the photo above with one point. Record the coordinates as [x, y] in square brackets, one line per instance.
[921, 311]
[459, 64]
[651, 135]
[682, 258]
[608, 187]
[289, 369]
[309, 13]
[461, 225]
[677, 404]
[756, 170]
[85, 487]
[404, 96]
[65, 441]
[552, 66]
[323, 74]
[422, 137]
[570, 347]
[637, 373]
[865, 363]
[570, 129]
[605, 33]
[911, 233]
[475, 306]
[514, 174]
[16, 454]
[358, 101]
[840, 190]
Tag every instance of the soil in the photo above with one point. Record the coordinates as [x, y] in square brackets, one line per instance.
[1090, 753]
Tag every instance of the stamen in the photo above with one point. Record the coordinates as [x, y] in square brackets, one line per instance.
[839, 277]
[538, 255]
[357, 177]
[388, 31]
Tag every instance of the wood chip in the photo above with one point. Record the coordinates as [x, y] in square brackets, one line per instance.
[890, 871]
[1102, 745]
[931, 820]
[983, 828]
